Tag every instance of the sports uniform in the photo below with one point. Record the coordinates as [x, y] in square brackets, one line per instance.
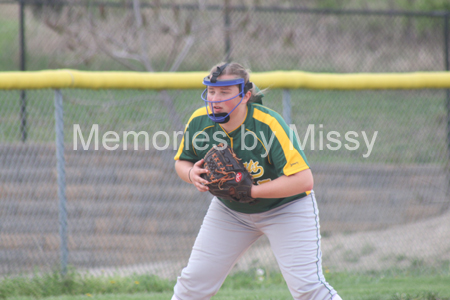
[268, 148]
[264, 163]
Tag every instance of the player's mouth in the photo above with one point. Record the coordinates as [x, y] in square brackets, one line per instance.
[217, 108]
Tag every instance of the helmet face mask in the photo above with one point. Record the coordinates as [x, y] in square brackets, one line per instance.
[222, 117]
[213, 80]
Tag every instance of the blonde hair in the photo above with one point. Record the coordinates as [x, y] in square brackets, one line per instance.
[236, 69]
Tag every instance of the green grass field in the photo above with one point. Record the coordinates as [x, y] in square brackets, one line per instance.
[9, 44]
[243, 285]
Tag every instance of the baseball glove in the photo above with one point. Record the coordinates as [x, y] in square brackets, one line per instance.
[228, 178]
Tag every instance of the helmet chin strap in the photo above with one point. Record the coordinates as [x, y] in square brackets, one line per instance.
[220, 118]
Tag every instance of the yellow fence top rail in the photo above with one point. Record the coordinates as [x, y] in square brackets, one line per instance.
[60, 79]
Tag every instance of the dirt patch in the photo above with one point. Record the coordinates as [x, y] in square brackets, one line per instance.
[422, 244]
[9, 12]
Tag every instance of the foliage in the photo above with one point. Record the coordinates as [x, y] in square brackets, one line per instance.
[76, 283]
[425, 5]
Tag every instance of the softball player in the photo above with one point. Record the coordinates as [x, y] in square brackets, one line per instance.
[286, 210]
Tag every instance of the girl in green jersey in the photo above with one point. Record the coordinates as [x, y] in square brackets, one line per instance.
[286, 209]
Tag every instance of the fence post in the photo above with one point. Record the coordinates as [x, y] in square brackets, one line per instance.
[287, 106]
[447, 100]
[61, 174]
[226, 12]
[23, 95]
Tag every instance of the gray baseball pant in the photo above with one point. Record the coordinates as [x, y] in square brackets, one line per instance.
[293, 231]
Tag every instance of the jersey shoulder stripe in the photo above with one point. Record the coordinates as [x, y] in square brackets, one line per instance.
[294, 159]
[198, 113]
[265, 108]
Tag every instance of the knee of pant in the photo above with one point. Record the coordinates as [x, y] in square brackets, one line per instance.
[193, 294]
[305, 290]
[195, 290]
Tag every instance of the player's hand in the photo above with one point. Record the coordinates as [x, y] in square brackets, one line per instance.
[194, 175]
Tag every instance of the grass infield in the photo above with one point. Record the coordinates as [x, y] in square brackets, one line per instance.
[242, 285]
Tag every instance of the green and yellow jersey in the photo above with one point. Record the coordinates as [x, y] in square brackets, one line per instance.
[265, 143]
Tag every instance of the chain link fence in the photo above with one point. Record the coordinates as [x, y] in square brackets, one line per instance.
[143, 36]
[379, 158]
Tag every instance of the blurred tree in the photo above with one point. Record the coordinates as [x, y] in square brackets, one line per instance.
[150, 39]
[425, 5]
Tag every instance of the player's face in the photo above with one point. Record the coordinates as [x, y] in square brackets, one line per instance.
[219, 93]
